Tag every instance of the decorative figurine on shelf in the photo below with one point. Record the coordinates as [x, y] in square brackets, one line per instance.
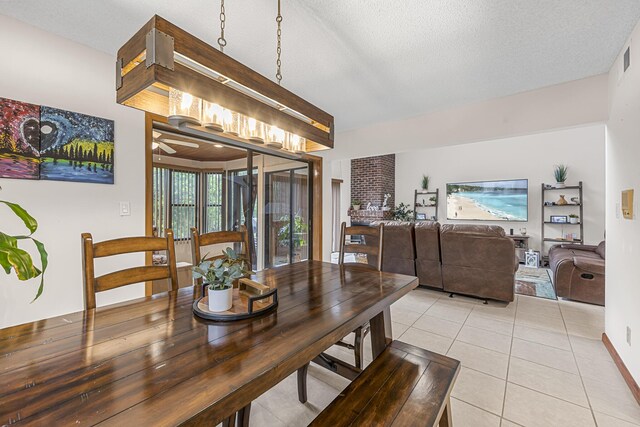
[523, 231]
[562, 201]
[385, 207]
[575, 200]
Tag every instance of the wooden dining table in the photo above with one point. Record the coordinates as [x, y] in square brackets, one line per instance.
[150, 361]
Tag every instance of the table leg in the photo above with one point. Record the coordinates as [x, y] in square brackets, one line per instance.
[445, 419]
[380, 332]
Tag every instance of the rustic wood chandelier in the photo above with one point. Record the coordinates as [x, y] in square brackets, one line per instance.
[164, 70]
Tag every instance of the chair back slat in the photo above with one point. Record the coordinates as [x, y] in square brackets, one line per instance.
[361, 249]
[363, 230]
[216, 238]
[116, 279]
[371, 247]
[127, 245]
[129, 276]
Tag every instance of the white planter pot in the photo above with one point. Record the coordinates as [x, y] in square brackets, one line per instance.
[220, 300]
[573, 220]
[560, 185]
[356, 207]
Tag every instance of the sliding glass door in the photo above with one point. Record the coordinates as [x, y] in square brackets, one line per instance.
[287, 215]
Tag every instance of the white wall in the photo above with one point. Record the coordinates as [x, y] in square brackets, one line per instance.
[529, 157]
[44, 69]
[623, 235]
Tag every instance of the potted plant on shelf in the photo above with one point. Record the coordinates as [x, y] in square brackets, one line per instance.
[573, 219]
[355, 204]
[12, 258]
[425, 182]
[560, 173]
[218, 276]
[432, 199]
[402, 213]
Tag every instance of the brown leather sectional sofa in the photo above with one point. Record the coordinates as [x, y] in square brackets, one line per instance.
[476, 260]
[578, 271]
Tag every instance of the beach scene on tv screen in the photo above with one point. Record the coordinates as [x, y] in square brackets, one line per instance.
[488, 200]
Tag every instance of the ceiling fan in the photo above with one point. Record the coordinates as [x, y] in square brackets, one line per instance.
[162, 143]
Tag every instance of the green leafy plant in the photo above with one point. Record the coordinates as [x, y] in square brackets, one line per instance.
[19, 260]
[573, 216]
[425, 182]
[402, 213]
[432, 199]
[560, 173]
[219, 274]
[300, 228]
[356, 202]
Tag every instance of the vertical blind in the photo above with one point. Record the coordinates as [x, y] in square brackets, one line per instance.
[184, 203]
[213, 202]
[160, 206]
[177, 203]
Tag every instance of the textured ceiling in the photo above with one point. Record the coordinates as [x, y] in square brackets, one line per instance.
[366, 61]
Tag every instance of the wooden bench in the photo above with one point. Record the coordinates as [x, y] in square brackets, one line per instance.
[404, 386]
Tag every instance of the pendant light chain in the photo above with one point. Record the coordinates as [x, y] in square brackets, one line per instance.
[222, 42]
[279, 48]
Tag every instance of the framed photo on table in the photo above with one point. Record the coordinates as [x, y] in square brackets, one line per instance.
[559, 219]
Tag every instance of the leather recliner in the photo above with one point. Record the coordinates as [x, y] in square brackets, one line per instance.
[579, 272]
[478, 260]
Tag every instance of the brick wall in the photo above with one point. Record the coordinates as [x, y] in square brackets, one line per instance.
[372, 178]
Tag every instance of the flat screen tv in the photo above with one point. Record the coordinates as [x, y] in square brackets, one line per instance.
[488, 200]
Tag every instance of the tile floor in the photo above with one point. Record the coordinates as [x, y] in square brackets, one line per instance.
[533, 362]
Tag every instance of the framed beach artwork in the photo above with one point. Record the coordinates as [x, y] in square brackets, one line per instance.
[19, 140]
[75, 147]
[506, 200]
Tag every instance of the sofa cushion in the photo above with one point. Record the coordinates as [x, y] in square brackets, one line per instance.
[398, 250]
[473, 230]
[600, 250]
[427, 240]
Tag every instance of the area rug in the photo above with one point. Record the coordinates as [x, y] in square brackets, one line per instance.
[534, 282]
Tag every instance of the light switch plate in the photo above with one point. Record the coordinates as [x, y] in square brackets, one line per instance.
[125, 209]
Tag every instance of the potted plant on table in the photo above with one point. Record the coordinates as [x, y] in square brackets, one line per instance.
[560, 173]
[573, 219]
[219, 276]
[355, 204]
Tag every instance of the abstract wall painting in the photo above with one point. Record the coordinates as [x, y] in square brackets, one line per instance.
[19, 140]
[75, 147]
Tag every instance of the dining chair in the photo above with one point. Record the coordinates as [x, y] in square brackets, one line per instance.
[198, 241]
[363, 240]
[128, 276]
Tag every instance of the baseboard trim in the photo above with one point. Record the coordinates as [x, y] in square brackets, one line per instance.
[635, 390]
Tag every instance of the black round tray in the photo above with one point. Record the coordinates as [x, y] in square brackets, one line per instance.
[244, 307]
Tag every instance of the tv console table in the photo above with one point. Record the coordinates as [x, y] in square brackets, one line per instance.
[522, 245]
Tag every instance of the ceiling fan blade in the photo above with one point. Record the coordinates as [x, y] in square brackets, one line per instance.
[183, 143]
[164, 147]
[156, 134]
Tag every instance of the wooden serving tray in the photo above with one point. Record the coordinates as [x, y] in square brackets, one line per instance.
[249, 301]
